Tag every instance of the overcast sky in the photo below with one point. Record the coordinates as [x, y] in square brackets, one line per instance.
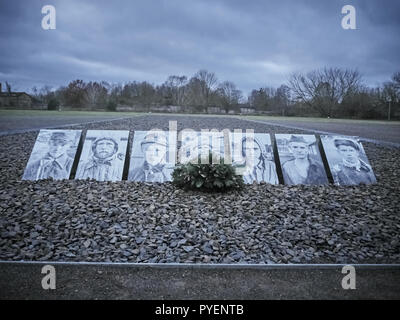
[252, 43]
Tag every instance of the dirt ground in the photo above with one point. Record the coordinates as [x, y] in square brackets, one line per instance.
[386, 132]
[24, 121]
[119, 281]
[19, 122]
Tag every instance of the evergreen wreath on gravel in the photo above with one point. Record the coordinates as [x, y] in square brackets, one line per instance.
[207, 176]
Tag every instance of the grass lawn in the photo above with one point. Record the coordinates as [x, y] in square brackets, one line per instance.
[47, 113]
[280, 118]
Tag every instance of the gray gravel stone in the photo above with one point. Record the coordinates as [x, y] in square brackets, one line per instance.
[125, 221]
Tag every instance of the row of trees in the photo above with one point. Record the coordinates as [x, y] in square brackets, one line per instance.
[201, 91]
[341, 93]
[328, 92]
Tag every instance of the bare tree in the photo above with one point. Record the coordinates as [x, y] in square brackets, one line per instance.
[229, 95]
[75, 94]
[324, 89]
[390, 97]
[115, 92]
[96, 94]
[282, 98]
[262, 99]
[34, 91]
[194, 93]
[46, 93]
[146, 94]
[8, 86]
[208, 83]
[396, 85]
[177, 86]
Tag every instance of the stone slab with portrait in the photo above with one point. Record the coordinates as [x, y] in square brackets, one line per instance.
[300, 159]
[52, 155]
[196, 145]
[347, 160]
[253, 157]
[103, 155]
[153, 156]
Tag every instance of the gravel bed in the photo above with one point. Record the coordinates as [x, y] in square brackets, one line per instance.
[125, 221]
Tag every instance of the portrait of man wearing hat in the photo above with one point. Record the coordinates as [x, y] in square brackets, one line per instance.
[153, 166]
[302, 169]
[351, 170]
[105, 164]
[56, 163]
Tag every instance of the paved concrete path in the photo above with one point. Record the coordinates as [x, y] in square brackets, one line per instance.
[388, 134]
[140, 281]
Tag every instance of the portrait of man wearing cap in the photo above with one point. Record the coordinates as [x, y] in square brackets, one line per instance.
[302, 169]
[352, 170]
[105, 164]
[153, 166]
[56, 163]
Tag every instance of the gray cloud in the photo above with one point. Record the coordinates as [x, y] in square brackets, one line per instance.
[254, 43]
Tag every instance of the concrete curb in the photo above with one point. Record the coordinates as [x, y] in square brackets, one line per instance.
[207, 265]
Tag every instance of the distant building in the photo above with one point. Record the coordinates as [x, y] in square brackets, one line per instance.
[215, 110]
[247, 110]
[15, 100]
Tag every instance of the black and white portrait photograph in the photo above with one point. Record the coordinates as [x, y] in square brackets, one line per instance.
[300, 159]
[347, 160]
[103, 155]
[253, 157]
[153, 156]
[52, 155]
[195, 146]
